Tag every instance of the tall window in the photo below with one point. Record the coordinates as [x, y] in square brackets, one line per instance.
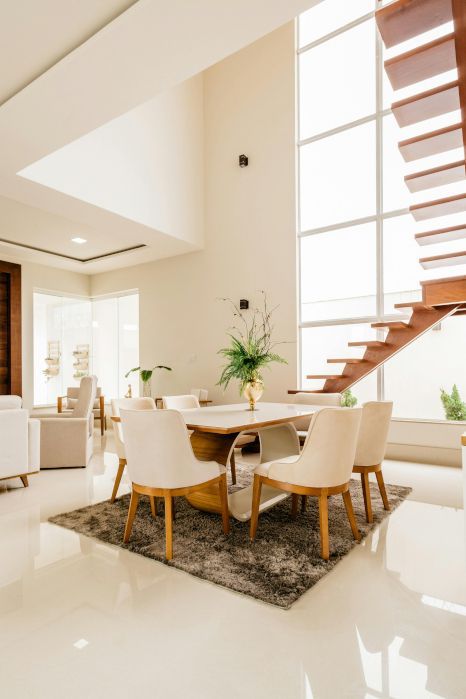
[75, 336]
[358, 255]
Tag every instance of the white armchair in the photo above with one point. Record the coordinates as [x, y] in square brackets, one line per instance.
[20, 440]
[67, 438]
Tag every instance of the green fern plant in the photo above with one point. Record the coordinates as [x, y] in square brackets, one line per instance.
[251, 346]
[348, 400]
[453, 406]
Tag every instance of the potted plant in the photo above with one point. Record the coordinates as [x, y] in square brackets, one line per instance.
[348, 400]
[146, 377]
[454, 407]
[251, 349]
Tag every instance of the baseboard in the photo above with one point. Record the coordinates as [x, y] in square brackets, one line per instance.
[440, 456]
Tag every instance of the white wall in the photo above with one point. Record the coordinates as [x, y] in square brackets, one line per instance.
[146, 165]
[250, 239]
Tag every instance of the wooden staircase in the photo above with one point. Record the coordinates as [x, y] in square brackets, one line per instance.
[397, 22]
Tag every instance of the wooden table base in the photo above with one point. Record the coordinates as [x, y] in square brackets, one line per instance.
[210, 446]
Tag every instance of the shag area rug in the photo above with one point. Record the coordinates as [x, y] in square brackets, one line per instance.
[278, 567]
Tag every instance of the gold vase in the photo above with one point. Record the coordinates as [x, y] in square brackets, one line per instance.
[253, 392]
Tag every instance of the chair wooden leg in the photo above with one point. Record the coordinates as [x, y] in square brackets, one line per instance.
[382, 489]
[256, 499]
[367, 496]
[294, 505]
[133, 506]
[323, 521]
[303, 503]
[121, 468]
[233, 467]
[350, 513]
[168, 527]
[153, 505]
[25, 481]
[222, 486]
[102, 425]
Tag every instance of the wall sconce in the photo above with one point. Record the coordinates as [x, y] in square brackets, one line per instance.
[243, 304]
[243, 160]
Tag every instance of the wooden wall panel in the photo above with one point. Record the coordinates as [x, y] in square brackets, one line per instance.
[10, 329]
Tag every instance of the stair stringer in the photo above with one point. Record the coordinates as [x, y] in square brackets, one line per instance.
[396, 340]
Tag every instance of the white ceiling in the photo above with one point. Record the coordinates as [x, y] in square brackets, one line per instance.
[74, 65]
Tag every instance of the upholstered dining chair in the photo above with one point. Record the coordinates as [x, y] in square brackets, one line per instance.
[129, 404]
[185, 402]
[66, 439]
[66, 404]
[320, 399]
[323, 468]
[161, 463]
[202, 394]
[370, 451]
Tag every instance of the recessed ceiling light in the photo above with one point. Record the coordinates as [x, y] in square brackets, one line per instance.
[80, 241]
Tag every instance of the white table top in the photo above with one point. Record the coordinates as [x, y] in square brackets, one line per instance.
[228, 419]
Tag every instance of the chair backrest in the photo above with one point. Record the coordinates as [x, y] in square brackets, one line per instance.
[158, 449]
[314, 399]
[86, 397]
[127, 404]
[180, 402]
[200, 393]
[10, 402]
[327, 457]
[319, 399]
[72, 395]
[373, 433]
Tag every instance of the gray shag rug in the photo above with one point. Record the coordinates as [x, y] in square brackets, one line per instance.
[278, 567]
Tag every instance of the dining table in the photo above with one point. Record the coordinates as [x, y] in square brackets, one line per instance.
[215, 430]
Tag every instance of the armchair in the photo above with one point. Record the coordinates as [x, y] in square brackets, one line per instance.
[68, 403]
[20, 440]
[67, 438]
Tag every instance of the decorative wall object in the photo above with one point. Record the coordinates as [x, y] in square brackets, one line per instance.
[81, 361]
[52, 360]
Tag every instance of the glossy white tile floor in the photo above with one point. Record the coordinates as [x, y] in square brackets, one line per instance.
[82, 619]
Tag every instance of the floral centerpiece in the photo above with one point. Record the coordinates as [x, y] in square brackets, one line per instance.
[251, 349]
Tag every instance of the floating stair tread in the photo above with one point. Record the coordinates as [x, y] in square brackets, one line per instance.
[431, 143]
[428, 104]
[421, 63]
[437, 176]
[446, 260]
[368, 343]
[325, 376]
[404, 19]
[294, 391]
[391, 325]
[348, 360]
[442, 235]
[415, 305]
[439, 207]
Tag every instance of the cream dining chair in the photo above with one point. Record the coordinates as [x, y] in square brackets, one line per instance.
[323, 468]
[370, 451]
[185, 402]
[161, 463]
[129, 404]
[320, 399]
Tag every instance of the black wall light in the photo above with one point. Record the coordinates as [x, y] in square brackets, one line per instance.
[243, 160]
[243, 304]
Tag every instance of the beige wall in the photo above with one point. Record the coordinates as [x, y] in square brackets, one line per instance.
[250, 239]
